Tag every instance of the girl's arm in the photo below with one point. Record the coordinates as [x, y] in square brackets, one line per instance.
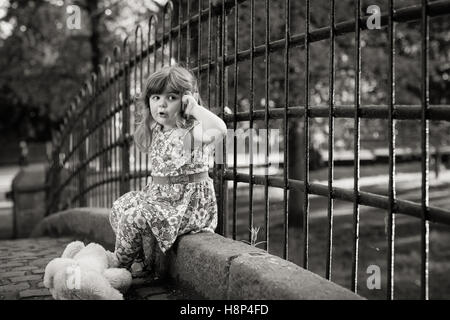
[211, 127]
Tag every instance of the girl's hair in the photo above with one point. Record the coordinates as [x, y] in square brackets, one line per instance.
[170, 79]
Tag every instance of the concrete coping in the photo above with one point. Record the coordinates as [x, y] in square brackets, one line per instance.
[82, 223]
[212, 266]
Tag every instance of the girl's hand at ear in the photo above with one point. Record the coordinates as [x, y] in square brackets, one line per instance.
[190, 103]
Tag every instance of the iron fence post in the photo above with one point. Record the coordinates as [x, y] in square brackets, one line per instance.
[125, 174]
[83, 171]
[53, 181]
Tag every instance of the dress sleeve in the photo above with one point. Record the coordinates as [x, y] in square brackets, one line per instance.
[191, 123]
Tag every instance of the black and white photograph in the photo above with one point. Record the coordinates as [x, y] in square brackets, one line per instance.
[218, 156]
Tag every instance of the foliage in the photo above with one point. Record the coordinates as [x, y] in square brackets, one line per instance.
[44, 63]
[254, 237]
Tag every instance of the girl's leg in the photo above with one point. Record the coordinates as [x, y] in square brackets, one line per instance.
[131, 228]
[121, 205]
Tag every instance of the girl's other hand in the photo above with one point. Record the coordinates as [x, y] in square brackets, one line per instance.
[190, 103]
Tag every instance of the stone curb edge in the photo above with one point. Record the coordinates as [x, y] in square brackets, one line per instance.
[82, 223]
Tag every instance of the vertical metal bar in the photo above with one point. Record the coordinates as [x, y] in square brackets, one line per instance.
[94, 193]
[149, 41]
[141, 80]
[391, 137]
[170, 6]
[91, 168]
[250, 141]
[147, 171]
[98, 144]
[306, 144]
[125, 185]
[188, 35]
[180, 12]
[73, 166]
[88, 144]
[287, 38]
[136, 70]
[217, 103]
[199, 45]
[104, 137]
[95, 145]
[162, 37]
[331, 142]
[425, 142]
[224, 102]
[135, 151]
[101, 137]
[116, 88]
[236, 72]
[82, 158]
[357, 146]
[116, 129]
[155, 42]
[77, 166]
[266, 116]
[55, 177]
[108, 133]
[209, 52]
[77, 163]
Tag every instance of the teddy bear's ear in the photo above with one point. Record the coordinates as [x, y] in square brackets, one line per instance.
[72, 249]
[52, 268]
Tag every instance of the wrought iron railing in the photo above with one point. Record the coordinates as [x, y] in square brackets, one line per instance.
[94, 160]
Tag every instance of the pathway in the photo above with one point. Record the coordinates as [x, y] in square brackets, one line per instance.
[22, 266]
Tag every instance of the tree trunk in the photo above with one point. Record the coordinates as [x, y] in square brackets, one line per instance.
[92, 9]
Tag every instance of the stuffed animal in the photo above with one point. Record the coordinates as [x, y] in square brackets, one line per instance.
[86, 273]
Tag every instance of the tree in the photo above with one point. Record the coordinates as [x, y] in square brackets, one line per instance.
[44, 63]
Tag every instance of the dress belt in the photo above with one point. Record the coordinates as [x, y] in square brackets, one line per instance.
[190, 178]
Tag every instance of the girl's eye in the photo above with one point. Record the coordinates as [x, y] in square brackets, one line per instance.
[155, 98]
[172, 98]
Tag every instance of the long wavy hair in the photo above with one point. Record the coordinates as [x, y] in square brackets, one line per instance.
[170, 79]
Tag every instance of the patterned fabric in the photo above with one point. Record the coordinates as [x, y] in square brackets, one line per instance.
[166, 211]
[174, 152]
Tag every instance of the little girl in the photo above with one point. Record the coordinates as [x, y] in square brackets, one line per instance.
[180, 196]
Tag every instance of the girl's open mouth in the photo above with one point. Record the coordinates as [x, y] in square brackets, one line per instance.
[163, 114]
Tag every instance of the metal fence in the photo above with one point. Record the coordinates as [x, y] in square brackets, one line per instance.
[94, 160]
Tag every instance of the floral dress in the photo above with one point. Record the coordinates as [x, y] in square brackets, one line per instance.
[165, 211]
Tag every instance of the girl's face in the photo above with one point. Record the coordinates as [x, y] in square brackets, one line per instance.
[165, 108]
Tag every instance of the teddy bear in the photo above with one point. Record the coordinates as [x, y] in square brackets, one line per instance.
[86, 273]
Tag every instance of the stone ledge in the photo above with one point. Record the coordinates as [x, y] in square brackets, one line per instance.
[219, 268]
[208, 264]
[263, 276]
[201, 262]
[83, 223]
